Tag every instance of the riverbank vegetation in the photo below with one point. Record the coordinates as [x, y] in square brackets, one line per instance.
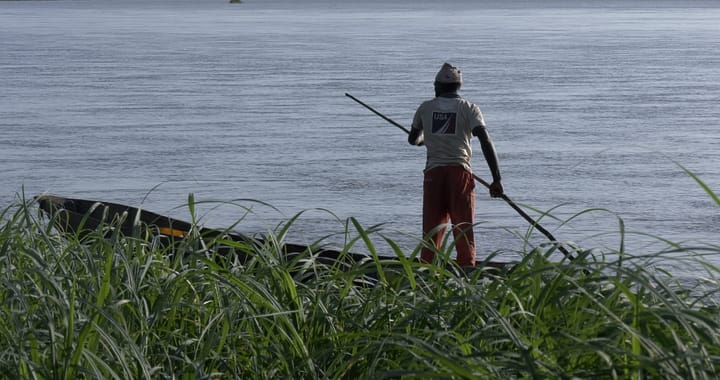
[103, 305]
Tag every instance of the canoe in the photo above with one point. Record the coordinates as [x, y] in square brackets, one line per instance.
[81, 216]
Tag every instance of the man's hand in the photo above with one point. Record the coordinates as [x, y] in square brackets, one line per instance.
[415, 137]
[496, 189]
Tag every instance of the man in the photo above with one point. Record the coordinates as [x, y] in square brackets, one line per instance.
[445, 125]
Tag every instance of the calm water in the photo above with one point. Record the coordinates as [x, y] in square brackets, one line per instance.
[145, 102]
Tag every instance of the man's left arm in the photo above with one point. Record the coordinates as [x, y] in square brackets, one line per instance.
[415, 137]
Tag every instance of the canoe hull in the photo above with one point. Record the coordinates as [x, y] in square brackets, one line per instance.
[82, 216]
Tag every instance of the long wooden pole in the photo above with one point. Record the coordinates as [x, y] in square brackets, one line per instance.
[509, 201]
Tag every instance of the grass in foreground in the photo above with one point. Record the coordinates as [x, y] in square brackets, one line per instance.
[111, 306]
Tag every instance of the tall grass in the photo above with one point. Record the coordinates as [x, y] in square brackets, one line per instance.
[104, 305]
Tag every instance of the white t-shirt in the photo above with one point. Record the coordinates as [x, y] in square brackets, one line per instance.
[447, 124]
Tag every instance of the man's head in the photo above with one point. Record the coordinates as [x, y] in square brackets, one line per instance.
[448, 79]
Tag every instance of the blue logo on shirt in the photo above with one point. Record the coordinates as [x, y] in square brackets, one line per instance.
[443, 123]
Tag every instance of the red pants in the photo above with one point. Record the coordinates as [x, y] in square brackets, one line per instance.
[449, 195]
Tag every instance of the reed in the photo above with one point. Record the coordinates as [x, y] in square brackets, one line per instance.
[104, 305]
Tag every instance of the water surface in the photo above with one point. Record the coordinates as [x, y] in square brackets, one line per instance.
[590, 106]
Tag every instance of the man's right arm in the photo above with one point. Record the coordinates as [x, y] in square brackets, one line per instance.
[488, 148]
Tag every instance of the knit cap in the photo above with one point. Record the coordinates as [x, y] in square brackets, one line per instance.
[448, 74]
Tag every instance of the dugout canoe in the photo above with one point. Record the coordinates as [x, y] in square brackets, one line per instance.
[81, 216]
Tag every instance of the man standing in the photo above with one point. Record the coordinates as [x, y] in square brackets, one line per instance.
[445, 125]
